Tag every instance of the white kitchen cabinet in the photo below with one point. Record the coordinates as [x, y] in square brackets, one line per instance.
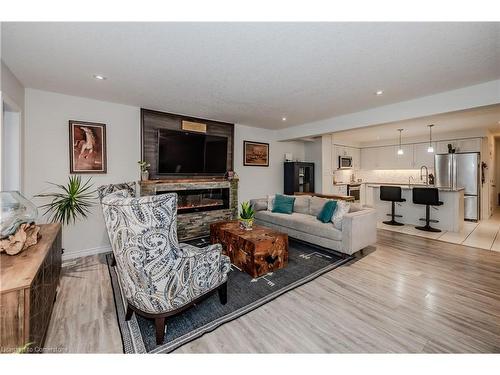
[387, 157]
[404, 161]
[369, 202]
[369, 158]
[340, 189]
[356, 158]
[362, 194]
[353, 152]
[460, 145]
[469, 145]
[442, 147]
[422, 157]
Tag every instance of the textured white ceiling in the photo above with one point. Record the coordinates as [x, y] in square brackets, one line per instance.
[253, 73]
[482, 118]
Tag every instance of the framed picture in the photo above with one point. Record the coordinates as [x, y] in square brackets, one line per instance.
[255, 154]
[87, 147]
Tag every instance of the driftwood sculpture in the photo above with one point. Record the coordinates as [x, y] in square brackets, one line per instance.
[25, 236]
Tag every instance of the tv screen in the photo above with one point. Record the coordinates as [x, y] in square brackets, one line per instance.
[182, 152]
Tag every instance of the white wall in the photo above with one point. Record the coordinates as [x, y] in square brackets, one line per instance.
[47, 155]
[11, 128]
[313, 151]
[11, 151]
[257, 182]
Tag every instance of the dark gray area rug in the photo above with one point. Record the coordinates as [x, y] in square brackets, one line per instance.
[305, 263]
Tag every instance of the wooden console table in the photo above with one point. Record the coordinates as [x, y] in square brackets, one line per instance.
[28, 284]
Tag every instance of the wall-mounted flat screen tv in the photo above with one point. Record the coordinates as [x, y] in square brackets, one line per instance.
[186, 153]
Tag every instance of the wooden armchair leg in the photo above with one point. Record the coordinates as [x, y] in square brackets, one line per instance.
[223, 293]
[129, 312]
[160, 330]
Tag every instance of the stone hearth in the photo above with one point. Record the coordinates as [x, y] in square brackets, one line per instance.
[196, 224]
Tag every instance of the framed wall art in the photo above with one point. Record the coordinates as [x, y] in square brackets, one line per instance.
[255, 154]
[87, 147]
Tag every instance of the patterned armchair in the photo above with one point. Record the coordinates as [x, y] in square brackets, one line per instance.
[159, 276]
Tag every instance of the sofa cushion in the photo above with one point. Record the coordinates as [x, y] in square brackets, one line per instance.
[316, 205]
[283, 204]
[301, 222]
[259, 204]
[301, 204]
[327, 211]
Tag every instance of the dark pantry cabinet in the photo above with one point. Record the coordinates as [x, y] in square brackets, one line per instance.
[299, 177]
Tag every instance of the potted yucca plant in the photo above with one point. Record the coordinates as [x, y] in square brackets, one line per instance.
[71, 202]
[246, 216]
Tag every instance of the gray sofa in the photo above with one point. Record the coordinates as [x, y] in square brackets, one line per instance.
[359, 226]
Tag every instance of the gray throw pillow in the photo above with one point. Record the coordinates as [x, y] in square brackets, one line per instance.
[259, 204]
[301, 204]
[316, 205]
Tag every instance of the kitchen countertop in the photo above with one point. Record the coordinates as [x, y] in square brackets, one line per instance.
[406, 187]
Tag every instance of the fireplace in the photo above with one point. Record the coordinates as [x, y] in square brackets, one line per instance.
[199, 200]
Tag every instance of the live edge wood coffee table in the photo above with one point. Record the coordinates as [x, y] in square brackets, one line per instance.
[257, 251]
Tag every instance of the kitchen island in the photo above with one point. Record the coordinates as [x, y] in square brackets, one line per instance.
[450, 214]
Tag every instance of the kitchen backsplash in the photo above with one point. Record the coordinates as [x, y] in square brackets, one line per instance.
[388, 176]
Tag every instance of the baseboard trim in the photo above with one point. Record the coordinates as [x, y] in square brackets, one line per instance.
[67, 255]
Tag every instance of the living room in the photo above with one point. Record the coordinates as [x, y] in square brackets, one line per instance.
[160, 197]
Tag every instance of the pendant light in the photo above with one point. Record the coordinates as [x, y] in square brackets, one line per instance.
[400, 149]
[430, 148]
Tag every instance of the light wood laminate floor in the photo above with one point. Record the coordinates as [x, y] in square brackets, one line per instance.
[484, 234]
[407, 294]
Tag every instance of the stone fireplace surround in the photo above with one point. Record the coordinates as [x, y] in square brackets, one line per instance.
[196, 224]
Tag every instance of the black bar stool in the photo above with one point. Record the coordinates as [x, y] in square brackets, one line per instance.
[429, 197]
[391, 194]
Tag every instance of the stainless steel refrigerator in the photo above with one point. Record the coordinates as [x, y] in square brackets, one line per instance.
[457, 171]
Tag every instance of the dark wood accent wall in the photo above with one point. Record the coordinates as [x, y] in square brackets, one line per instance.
[151, 121]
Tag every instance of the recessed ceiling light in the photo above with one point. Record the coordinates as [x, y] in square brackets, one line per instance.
[379, 92]
[283, 119]
[99, 77]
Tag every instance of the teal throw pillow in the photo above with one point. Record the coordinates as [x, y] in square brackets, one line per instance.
[283, 204]
[327, 211]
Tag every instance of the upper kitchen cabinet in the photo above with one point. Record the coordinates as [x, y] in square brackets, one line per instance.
[460, 145]
[369, 158]
[346, 151]
[386, 157]
[356, 158]
[404, 161]
[422, 157]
